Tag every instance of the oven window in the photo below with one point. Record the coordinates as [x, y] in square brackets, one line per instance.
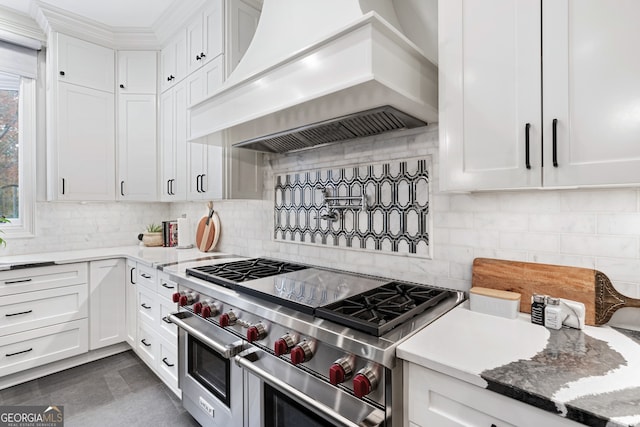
[282, 411]
[209, 369]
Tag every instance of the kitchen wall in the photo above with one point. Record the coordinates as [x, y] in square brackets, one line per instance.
[66, 226]
[598, 228]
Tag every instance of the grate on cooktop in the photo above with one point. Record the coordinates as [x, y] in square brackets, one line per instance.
[228, 274]
[379, 310]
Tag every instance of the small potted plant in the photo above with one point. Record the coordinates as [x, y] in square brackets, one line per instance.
[153, 235]
[3, 220]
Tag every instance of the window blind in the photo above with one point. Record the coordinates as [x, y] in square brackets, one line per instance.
[18, 60]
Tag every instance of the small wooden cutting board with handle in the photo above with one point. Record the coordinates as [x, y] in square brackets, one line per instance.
[590, 287]
[207, 231]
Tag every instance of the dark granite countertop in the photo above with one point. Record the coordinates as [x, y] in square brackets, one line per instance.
[591, 376]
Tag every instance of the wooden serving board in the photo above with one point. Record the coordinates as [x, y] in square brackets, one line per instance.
[590, 287]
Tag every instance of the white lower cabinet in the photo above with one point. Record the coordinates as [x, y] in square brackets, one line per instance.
[157, 338]
[436, 399]
[130, 304]
[106, 303]
[44, 312]
[37, 347]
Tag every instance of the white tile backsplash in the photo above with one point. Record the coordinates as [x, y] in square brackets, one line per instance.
[585, 228]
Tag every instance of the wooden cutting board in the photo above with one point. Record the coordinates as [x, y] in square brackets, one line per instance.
[207, 231]
[590, 287]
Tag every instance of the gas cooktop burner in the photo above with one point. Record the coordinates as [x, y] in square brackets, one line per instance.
[379, 310]
[229, 274]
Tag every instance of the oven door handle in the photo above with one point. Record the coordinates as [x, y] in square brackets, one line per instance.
[375, 419]
[226, 351]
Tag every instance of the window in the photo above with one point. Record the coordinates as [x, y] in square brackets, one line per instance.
[17, 139]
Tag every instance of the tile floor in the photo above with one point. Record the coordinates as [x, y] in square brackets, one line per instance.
[115, 391]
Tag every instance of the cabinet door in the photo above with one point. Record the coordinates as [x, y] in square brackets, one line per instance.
[137, 148]
[131, 305]
[137, 71]
[85, 64]
[205, 36]
[489, 82]
[243, 20]
[206, 171]
[106, 303]
[591, 90]
[85, 149]
[173, 144]
[173, 61]
[204, 82]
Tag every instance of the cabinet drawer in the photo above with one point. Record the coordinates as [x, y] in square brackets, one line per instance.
[147, 344]
[40, 346]
[435, 399]
[166, 287]
[167, 329]
[30, 310]
[168, 363]
[147, 306]
[39, 278]
[146, 276]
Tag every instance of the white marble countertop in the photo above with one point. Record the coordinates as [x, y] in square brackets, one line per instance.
[152, 256]
[590, 375]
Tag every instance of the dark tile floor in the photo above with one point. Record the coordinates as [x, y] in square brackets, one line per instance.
[114, 391]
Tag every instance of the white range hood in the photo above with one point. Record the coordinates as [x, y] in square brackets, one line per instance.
[318, 71]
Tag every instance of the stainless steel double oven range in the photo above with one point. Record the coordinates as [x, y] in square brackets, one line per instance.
[267, 343]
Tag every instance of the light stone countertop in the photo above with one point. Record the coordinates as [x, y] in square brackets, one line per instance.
[590, 376]
[152, 256]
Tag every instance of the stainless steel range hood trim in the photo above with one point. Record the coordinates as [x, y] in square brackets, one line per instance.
[390, 69]
[356, 125]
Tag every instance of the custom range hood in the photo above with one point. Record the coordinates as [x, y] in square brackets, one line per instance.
[319, 72]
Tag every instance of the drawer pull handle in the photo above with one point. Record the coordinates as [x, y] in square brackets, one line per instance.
[145, 343]
[18, 352]
[145, 306]
[146, 276]
[164, 285]
[166, 320]
[11, 282]
[18, 314]
[171, 365]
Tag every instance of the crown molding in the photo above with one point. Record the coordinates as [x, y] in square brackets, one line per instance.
[175, 18]
[51, 18]
[21, 29]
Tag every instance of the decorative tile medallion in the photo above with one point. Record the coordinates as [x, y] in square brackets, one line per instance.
[379, 207]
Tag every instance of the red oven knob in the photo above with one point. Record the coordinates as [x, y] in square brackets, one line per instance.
[197, 308]
[183, 300]
[364, 382]
[283, 344]
[176, 296]
[301, 353]
[341, 370]
[256, 332]
[227, 319]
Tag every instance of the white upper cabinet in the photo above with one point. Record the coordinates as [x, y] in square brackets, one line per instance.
[80, 120]
[173, 61]
[206, 171]
[82, 166]
[173, 144]
[205, 81]
[84, 64]
[242, 18]
[137, 72]
[497, 108]
[205, 36]
[591, 91]
[490, 94]
[136, 135]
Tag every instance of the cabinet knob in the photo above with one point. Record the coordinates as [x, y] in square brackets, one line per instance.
[121, 86]
[62, 73]
[197, 57]
[202, 55]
